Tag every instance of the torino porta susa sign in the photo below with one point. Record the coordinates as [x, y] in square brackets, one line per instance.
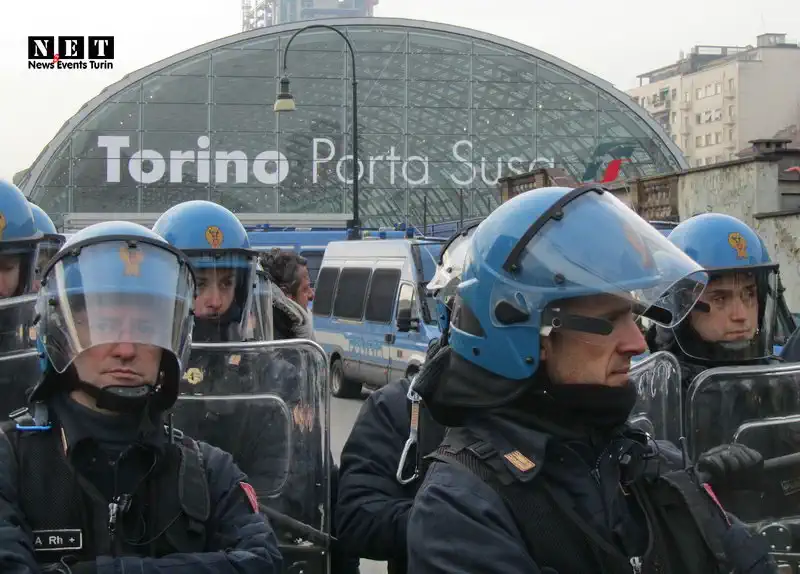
[271, 167]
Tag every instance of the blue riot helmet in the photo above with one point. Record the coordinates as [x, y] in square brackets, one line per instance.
[116, 283]
[49, 244]
[18, 242]
[449, 268]
[735, 320]
[550, 245]
[219, 248]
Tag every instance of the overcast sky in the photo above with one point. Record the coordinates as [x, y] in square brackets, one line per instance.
[613, 39]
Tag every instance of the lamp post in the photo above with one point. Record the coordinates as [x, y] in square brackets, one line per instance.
[285, 103]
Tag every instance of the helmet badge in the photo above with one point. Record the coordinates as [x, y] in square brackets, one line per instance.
[739, 243]
[193, 376]
[214, 236]
[2, 224]
[132, 259]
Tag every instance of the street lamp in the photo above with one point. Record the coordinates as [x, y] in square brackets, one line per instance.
[285, 103]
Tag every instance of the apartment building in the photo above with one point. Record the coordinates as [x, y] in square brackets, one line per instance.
[718, 98]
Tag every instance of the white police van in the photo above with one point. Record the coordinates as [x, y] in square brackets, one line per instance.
[372, 312]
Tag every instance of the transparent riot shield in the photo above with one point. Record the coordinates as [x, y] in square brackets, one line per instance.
[759, 407]
[19, 372]
[17, 317]
[267, 404]
[658, 409]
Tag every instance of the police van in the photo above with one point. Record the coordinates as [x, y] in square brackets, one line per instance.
[372, 312]
[309, 243]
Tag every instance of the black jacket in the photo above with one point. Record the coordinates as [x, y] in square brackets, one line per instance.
[238, 538]
[373, 507]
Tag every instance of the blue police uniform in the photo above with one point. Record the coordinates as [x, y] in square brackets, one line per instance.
[85, 491]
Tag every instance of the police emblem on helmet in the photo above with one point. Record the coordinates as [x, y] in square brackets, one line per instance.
[2, 224]
[193, 376]
[214, 236]
[132, 259]
[739, 243]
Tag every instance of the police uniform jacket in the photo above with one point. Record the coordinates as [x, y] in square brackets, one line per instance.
[57, 484]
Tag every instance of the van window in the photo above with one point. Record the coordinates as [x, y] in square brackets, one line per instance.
[314, 259]
[323, 296]
[382, 290]
[351, 293]
[405, 302]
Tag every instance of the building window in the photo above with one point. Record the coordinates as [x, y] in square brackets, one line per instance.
[686, 97]
[730, 135]
[699, 93]
[717, 114]
[718, 159]
[674, 117]
[708, 139]
[731, 112]
[698, 162]
[706, 116]
[718, 88]
[731, 85]
[698, 118]
[698, 141]
[718, 137]
[708, 90]
[674, 94]
[675, 138]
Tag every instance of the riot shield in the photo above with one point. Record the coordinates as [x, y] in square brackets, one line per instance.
[267, 404]
[17, 317]
[759, 407]
[19, 372]
[658, 409]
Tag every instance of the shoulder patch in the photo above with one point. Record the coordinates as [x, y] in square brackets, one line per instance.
[250, 493]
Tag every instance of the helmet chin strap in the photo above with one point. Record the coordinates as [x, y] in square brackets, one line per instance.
[119, 398]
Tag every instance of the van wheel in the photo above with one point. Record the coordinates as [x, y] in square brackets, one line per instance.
[341, 387]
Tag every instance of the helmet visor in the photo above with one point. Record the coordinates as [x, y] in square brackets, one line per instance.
[47, 250]
[17, 266]
[260, 326]
[17, 316]
[111, 293]
[590, 244]
[448, 273]
[225, 287]
[735, 318]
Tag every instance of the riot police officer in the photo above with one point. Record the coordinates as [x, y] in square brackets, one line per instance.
[216, 243]
[734, 321]
[384, 460]
[92, 480]
[18, 247]
[218, 246]
[49, 244]
[541, 472]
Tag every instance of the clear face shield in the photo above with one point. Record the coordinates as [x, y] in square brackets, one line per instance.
[259, 327]
[48, 247]
[590, 267]
[451, 265]
[17, 267]
[734, 320]
[224, 295]
[112, 293]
